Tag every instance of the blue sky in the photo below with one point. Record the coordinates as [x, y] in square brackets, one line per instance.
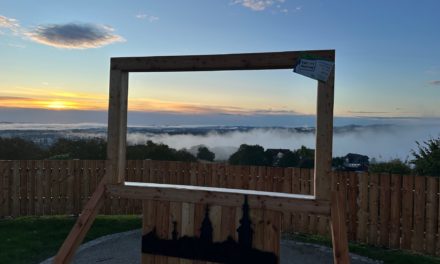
[387, 55]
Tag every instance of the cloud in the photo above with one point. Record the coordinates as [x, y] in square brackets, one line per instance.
[9, 23]
[435, 82]
[6, 22]
[150, 18]
[257, 5]
[74, 36]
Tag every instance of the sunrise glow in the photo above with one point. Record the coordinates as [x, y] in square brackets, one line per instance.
[57, 105]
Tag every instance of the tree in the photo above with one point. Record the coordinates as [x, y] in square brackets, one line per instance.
[306, 157]
[427, 158]
[289, 159]
[248, 155]
[184, 155]
[85, 149]
[204, 153]
[395, 166]
[338, 163]
[19, 149]
[159, 151]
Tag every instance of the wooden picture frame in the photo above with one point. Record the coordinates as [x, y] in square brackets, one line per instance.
[323, 201]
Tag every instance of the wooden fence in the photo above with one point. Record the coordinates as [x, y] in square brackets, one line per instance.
[395, 211]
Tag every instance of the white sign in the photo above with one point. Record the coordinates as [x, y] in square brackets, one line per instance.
[315, 69]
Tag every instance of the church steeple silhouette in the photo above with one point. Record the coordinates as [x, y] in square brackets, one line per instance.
[245, 232]
[206, 229]
[205, 249]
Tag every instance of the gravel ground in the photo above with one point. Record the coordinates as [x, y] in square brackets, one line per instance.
[124, 248]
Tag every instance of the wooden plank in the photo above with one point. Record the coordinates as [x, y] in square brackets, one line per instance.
[86, 182]
[342, 187]
[272, 232]
[55, 183]
[253, 177]
[175, 223]
[117, 126]
[396, 205]
[218, 62]
[31, 187]
[407, 211]
[261, 179]
[352, 194]
[23, 187]
[258, 224]
[215, 214]
[82, 225]
[39, 188]
[187, 224]
[385, 208]
[362, 230]
[287, 188]
[78, 174]
[324, 138]
[70, 190]
[338, 229]
[47, 188]
[15, 188]
[220, 196]
[162, 225]
[374, 209]
[4, 188]
[419, 214]
[148, 224]
[64, 187]
[138, 176]
[296, 188]
[305, 189]
[431, 214]
[228, 222]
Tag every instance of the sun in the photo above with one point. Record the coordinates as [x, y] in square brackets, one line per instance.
[58, 105]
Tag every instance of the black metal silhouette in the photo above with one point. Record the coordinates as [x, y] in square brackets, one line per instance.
[203, 248]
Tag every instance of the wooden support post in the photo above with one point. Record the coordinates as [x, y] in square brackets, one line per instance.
[324, 138]
[117, 126]
[339, 229]
[82, 226]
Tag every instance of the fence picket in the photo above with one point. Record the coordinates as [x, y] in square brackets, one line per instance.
[419, 214]
[384, 205]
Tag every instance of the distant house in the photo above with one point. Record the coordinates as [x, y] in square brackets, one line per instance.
[274, 155]
[356, 162]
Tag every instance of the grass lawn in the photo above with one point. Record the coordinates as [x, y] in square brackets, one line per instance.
[388, 256]
[33, 239]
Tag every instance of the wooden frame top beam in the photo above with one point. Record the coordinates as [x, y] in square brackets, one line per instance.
[220, 62]
[282, 202]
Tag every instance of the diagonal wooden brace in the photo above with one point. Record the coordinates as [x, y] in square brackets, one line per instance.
[82, 225]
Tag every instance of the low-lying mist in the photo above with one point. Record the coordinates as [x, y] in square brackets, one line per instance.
[380, 142]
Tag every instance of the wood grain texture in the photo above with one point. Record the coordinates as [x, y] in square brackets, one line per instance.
[395, 214]
[218, 62]
[419, 214]
[324, 138]
[225, 197]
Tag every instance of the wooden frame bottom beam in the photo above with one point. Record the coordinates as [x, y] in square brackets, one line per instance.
[283, 202]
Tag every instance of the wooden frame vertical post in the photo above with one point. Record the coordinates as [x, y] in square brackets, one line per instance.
[115, 165]
[324, 138]
[117, 127]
